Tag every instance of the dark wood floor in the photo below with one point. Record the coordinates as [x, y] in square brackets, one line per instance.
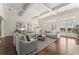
[6, 46]
[63, 46]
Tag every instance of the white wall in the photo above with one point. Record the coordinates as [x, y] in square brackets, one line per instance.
[10, 25]
[10, 20]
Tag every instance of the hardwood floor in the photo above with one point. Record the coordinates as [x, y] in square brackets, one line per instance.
[63, 46]
[6, 46]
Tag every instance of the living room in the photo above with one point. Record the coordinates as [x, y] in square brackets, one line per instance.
[39, 28]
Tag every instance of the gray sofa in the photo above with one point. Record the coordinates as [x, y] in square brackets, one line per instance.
[24, 47]
[52, 34]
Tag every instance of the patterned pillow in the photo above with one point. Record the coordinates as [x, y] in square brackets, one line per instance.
[28, 39]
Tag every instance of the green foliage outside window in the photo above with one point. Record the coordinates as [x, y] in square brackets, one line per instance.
[71, 30]
[63, 29]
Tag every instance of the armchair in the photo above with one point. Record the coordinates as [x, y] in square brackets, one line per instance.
[23, 46]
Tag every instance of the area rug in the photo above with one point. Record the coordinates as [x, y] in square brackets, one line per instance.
[43, 44]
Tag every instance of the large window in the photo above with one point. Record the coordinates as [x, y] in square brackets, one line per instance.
[71, 26]
[63, 26]
[68, 25]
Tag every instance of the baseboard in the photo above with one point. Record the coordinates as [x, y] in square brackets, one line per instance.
[5, 37]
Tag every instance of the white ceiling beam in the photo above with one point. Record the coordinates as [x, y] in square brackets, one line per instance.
[44, 14]
[50, 9]
[70, 6]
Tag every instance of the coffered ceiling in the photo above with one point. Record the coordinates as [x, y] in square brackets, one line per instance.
[41, 10]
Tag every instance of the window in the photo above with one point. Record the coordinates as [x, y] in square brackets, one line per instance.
[68, 25]
[63, 29]
[71, 26]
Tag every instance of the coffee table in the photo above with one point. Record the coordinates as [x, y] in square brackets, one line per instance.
[41, 37]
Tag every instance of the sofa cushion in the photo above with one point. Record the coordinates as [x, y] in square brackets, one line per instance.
[27, 38]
